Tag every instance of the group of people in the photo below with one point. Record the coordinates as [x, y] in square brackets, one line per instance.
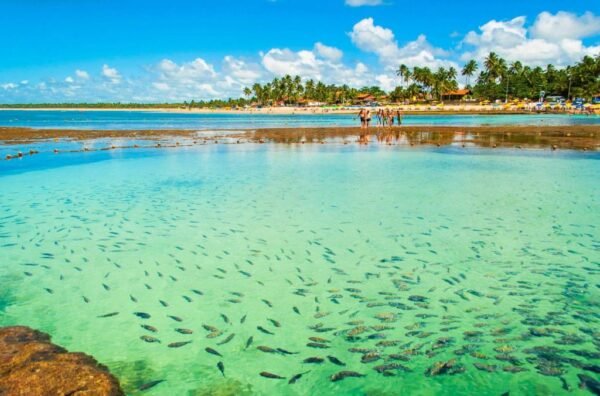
[384, 117]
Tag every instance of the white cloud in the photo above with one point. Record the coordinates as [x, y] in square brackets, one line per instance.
[245, 73]
[360, 3]
[161, 86]
[381, 41]
[82, 74]
[565, 25]
[8, 86]
[69, 80]
[331, 53]
[111, 74]
[552, 39]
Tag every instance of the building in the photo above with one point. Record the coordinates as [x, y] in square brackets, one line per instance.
[458, 94]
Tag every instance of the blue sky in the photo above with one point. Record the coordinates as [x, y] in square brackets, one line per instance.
[88, 50]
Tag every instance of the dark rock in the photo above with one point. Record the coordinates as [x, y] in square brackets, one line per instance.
[31, 365]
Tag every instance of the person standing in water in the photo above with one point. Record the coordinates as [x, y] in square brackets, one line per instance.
[399, 115]
[365, 118]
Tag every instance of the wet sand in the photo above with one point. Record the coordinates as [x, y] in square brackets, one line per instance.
[567, 137]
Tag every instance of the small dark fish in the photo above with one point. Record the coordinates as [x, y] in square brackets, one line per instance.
[149, 339]
[221, 368]
[335, 360]
[149, 385]
[249, 342]
[270, 375]
[142, 315]
[296, 310]
[296, 377]
[225, 318]
[226, 340]
[132, 298]
[212, 351]
[243, 319]
[149, 328]
[268, 303]
[184, 331]
[317, 345]
[266, 349]
[344, 374]
[178, 344]
[317, 360]
[275, 323]
[175, 318]
[285, 352]
[263, 330]
[108, 315]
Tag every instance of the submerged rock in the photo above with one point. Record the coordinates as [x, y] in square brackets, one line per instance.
[31, 365]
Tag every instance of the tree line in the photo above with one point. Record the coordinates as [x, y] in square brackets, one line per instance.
[493, 79]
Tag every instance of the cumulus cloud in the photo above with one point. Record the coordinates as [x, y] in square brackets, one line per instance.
[331, 53]
[360, 3]
[565, 25]
[82, 74]
[242, 71]
[381, 41]
[111, 74]
[8, 86]
[323, 63]
[552, 39]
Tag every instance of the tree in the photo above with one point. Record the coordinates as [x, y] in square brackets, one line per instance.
[469, 70]
[403, 72]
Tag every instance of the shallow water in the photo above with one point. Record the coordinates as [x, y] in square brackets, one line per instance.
[472, 255]
[157, 120]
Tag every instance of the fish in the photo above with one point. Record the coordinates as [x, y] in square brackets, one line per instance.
[184, 331]
[212, 351]
[142, 315]
[266, 374]
[335, 360]
[149, 328]
[311, 360]
[263, 330]
[221, 368]
[149, 385]
[296, 377]
[345, 374]
[243, 319]
[249, 341]
[108, 315]
[178, 344]
[226, 340]
[149, 339]
[317, 345]
[275, 323]
[175, 318]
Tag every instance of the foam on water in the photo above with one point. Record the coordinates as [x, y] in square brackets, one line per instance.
[478, 258]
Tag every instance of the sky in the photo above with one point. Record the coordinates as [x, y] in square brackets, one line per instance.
[56, 51]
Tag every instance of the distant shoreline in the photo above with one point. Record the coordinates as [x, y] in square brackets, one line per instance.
[307, 111]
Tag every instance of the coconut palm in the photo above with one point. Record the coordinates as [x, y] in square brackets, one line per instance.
[469, 70]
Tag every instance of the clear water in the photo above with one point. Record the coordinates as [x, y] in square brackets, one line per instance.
[157, 120]
[468, 255]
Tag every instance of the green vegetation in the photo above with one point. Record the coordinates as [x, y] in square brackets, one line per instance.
[496, 80]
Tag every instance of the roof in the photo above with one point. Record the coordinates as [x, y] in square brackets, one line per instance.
[458, 92]
[364, 96]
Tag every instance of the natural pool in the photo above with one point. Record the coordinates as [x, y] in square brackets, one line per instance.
[384, 259]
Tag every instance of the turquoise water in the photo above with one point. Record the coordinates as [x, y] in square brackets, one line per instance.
[412, 256]
[156, 120]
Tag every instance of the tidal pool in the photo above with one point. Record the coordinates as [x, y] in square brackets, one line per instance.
[426, 271]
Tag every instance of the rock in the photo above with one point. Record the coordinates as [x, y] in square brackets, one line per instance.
[31, 365]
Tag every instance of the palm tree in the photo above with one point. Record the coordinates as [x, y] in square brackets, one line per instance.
[247, 92]
[494, 66]
[469, 70]
[403, 71]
